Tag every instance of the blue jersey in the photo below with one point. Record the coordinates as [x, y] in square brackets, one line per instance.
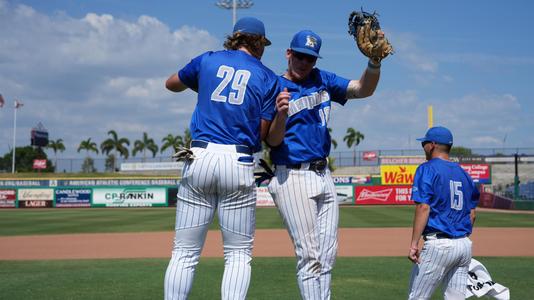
[307, 137]
[450, 193]
[235, 91]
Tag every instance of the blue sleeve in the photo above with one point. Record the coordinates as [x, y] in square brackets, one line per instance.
[190, 73]
[337, 87]
[422, 191]
[268, 110]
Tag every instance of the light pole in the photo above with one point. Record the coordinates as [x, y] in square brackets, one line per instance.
[16, 106]
[234, 5]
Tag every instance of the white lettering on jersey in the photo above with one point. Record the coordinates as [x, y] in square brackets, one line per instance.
[308, 102]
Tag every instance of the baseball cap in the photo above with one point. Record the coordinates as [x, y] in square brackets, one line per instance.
[307, 42]
[438, 135]
[252, 26]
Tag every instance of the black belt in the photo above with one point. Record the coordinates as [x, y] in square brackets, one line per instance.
[238, 148]
[442, 235]
[316, 165]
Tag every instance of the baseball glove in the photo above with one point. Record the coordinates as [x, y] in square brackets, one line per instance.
[365, 29]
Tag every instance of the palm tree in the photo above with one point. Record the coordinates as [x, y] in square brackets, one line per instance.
[145, 144]
[88, 145]
[187, 138]
[56, 146]
[334, 142]
[353, 137]
[115, 144]
[171, 141]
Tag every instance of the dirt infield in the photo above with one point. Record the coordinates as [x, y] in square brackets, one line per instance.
[268, 243]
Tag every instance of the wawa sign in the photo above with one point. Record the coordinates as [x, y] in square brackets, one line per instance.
[397, 174]
[380, 194]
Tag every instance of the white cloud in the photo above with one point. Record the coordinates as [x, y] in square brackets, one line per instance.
[410, 53]
[81, 77]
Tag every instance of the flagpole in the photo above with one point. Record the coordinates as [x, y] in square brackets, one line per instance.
[14, 137]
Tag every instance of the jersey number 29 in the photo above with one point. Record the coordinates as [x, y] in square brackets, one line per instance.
[239, 81]
[457, 196]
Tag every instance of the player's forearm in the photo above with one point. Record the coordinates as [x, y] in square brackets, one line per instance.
[366, 86]
[277, 130]
[175, 84]
[422, 212]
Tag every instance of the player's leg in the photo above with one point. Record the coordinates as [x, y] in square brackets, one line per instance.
[328, 216]
[237, 217]
[455, 281]
[427, 275]
[194, 212]
[295, 192]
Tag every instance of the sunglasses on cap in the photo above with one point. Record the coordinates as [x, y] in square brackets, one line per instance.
[302, 56]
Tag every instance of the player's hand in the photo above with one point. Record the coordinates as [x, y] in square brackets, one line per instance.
[282, 102]
[414, 255]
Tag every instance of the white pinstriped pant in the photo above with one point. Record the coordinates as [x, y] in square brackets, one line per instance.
[214, 179]
[307, 202]
[443, 261]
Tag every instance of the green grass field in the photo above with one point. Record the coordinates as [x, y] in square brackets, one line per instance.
[272, 278]
[58, 221]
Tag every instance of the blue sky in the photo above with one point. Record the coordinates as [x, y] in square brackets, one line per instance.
[85, 67]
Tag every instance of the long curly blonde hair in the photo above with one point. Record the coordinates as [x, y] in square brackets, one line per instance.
[253, 43]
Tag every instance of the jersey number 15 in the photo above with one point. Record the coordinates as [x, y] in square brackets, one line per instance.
[239, 81]
[457, 196]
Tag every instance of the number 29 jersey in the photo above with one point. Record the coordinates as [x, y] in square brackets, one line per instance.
[451, 194]
[235, 91]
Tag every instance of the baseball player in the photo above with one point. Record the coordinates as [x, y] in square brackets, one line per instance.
[303, 189]
[445, 198]
[236, 104]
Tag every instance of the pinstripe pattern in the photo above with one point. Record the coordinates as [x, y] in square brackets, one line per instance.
[307, 202]
[214, 179]
[443, 261]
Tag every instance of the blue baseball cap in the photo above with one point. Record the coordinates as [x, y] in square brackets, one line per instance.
[251, 25]
[307, 42]
[438, 135]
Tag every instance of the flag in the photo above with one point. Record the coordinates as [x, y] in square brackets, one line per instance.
[1, 100]
[18, 104]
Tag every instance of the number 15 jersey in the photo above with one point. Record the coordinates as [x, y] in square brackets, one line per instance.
[235, 91]
[451, 194]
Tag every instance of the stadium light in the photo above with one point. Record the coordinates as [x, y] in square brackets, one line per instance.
[16, 106]
[234, 5]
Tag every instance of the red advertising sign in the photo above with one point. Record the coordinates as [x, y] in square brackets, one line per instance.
[383, 194]
[369, 155]
[478, 172]
[39, 163]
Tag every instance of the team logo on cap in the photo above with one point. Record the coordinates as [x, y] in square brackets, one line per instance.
[311, 41]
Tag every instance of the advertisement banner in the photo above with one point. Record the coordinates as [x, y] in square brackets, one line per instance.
[118, 182]
[370, 155]
[397, 174]
[8, 198]
[479, 172]
[23, 183]
[264, 197]
[361, 179]
[36, 198]
[39, 164]
[73, 198]
[130, 197]
[379, 194]
[402, 160]
[345, 194]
